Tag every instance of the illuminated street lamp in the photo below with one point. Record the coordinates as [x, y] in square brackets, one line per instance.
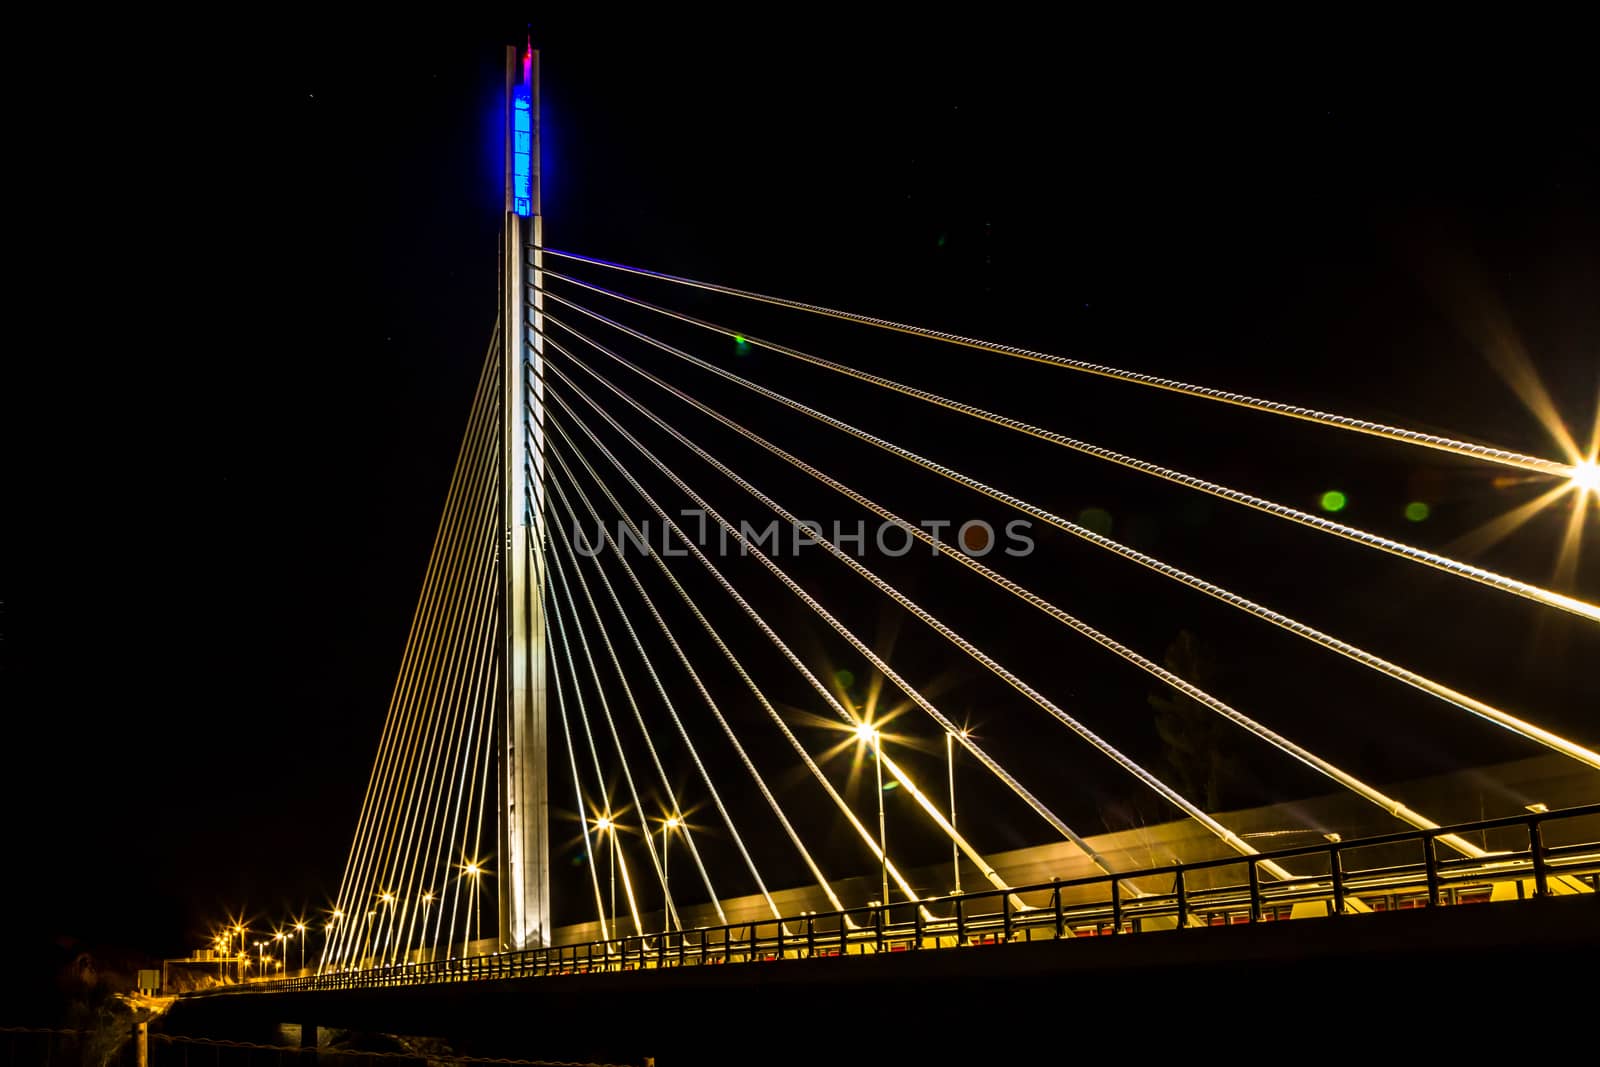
[950, 762]
[672, 823]
[609, 828]
[865, 732]
[261, 957]
[387, 898]
[427, 900]
[300, 928]
[472, 871]
[283, 938]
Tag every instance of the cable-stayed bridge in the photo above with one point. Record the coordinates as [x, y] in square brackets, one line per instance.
[588, 617]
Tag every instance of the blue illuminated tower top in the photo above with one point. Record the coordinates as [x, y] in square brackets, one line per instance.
[522, 140]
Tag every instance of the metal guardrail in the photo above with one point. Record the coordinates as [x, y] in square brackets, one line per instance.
[955, 921]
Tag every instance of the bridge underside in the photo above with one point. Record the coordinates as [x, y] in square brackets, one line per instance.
[1430, 979]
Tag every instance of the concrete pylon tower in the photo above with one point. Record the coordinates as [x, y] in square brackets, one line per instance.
[522, 866]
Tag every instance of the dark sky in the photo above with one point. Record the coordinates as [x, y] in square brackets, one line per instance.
[270, 275]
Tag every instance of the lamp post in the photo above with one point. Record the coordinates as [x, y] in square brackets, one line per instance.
[387, 898]
[261, 957]
[672, 823]
[609, 828]
[427, 901]
[472, 871]
[300, 928]
[950, 763]
[244, 953]
[865, 732]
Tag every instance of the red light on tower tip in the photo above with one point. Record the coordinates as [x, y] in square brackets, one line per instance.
[527, 63]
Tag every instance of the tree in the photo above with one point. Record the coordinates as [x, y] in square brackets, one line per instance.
[1197, 746]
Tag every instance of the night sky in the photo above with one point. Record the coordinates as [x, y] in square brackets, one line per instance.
[273, 276]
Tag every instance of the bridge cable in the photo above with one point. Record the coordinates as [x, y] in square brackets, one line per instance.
[670, 911]
[666, 700]
[1394, 807]
[1227, 836]
[397, 749]
[1479, 708]
[583, 809]
[566, 645]
[644, 730]
[805, 757]
[887, 762]
[694, 675]
[1470, 572]
[1484, 453]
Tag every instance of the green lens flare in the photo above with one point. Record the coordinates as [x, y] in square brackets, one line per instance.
[1333, 500]
[1417, 511]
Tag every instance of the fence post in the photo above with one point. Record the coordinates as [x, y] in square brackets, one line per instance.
[1255, 892]
[1182, 893]
[1336, 866]
[1116, 907]
[1541, 876]
[1005, 915]
[1055, 900]
[1430, 862]
[811, 935]
[961, 922]
[916, 915]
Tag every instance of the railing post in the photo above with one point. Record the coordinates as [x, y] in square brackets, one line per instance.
[661, 951]
[1255, 892]
[1541, 875]
[1055, 901]
[811, 935]
[1005, 915]
[961, 921]
[1116, 907]
[877, 922]
[780, 939]
[1430, 863]
[1182, 893]
[916, 918]
[1336, 867]
[682, 941]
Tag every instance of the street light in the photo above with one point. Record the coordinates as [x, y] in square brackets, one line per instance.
[471, 870]
[427, 899]
[261, 957]
[950, 762]
[300, 928]
[284, 938]
[865, 732]
[672, 823]
[609, 828]
[387, 898]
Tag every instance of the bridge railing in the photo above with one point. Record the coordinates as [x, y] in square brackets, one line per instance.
[1403, 869]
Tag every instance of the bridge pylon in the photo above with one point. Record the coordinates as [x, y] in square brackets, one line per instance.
[523, 864]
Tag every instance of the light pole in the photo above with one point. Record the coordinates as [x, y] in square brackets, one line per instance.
[672, 823]
[427, 900]
[865, 732]
[244, 953]
[950, 762]
[300, 928]
[261, 957]
[327, 932]
[472, 871]
[387, 898]
[609, 828]
[283, 938]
